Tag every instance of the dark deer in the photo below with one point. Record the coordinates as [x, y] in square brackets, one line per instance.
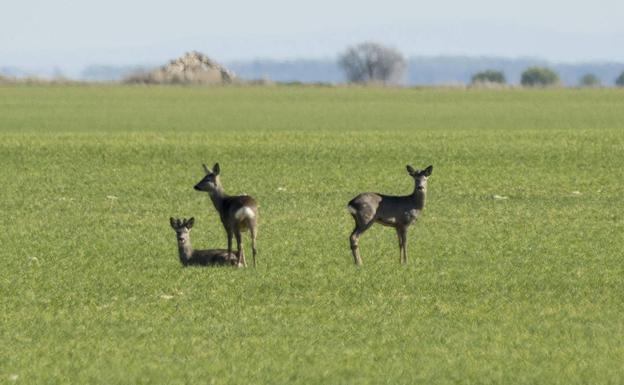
[394, 211]
[238, 213]
[190, 257]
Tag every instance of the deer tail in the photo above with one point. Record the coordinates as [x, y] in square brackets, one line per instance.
[244, 213]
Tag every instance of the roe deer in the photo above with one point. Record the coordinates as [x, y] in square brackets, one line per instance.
[189, 257]
[394, 211]
[238, 213]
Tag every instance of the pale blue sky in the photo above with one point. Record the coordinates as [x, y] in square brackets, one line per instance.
[74, 33]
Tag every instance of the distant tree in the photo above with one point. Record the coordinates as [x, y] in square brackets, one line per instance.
[589, 80]
[539, 76]
[620, 80]
[371, 62]
[489, 76]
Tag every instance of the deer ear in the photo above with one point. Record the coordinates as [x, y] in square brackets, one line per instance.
[428, 170]
[216, 169]
[410, 170]
[206, 169]
[172, 222]
[190, 223]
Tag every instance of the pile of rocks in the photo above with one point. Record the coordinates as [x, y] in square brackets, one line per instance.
[192, 68]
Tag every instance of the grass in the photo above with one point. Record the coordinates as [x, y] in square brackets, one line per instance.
[525, 290]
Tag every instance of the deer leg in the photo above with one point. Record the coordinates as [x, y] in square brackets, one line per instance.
[253, 232]
[400, 238]
[229, 240]
[355, 239]
[239, 246]
[402, 232]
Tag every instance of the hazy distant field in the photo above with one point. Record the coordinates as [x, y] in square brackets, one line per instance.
[526, 289]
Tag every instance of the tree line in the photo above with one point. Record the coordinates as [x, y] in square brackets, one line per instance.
[374, 63]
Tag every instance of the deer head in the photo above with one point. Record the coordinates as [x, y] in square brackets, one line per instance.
[420, 177]
[211, 181]
[182, 229]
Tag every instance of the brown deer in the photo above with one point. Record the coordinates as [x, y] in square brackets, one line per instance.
[238, 213]
[394, 211]
[191, 257]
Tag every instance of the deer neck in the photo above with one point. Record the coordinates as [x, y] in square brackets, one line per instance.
[186, 252]
[419, 197]
[218, 196]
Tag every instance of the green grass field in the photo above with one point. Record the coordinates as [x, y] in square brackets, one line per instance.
[524, 290]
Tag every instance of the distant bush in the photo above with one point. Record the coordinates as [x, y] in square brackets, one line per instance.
[489, 76]
[589, 80]
[620, 80]
[539, 77]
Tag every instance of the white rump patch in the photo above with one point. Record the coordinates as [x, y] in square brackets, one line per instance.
[244, 212]
[351, 209]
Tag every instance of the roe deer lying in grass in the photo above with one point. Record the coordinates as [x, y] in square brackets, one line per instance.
[394, 211]
[238, 213]
[189, 257]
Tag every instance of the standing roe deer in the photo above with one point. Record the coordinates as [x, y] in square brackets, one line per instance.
[237, 213]
[394, 211]
[190, 257]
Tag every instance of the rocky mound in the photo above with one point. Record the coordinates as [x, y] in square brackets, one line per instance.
[192, 68]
